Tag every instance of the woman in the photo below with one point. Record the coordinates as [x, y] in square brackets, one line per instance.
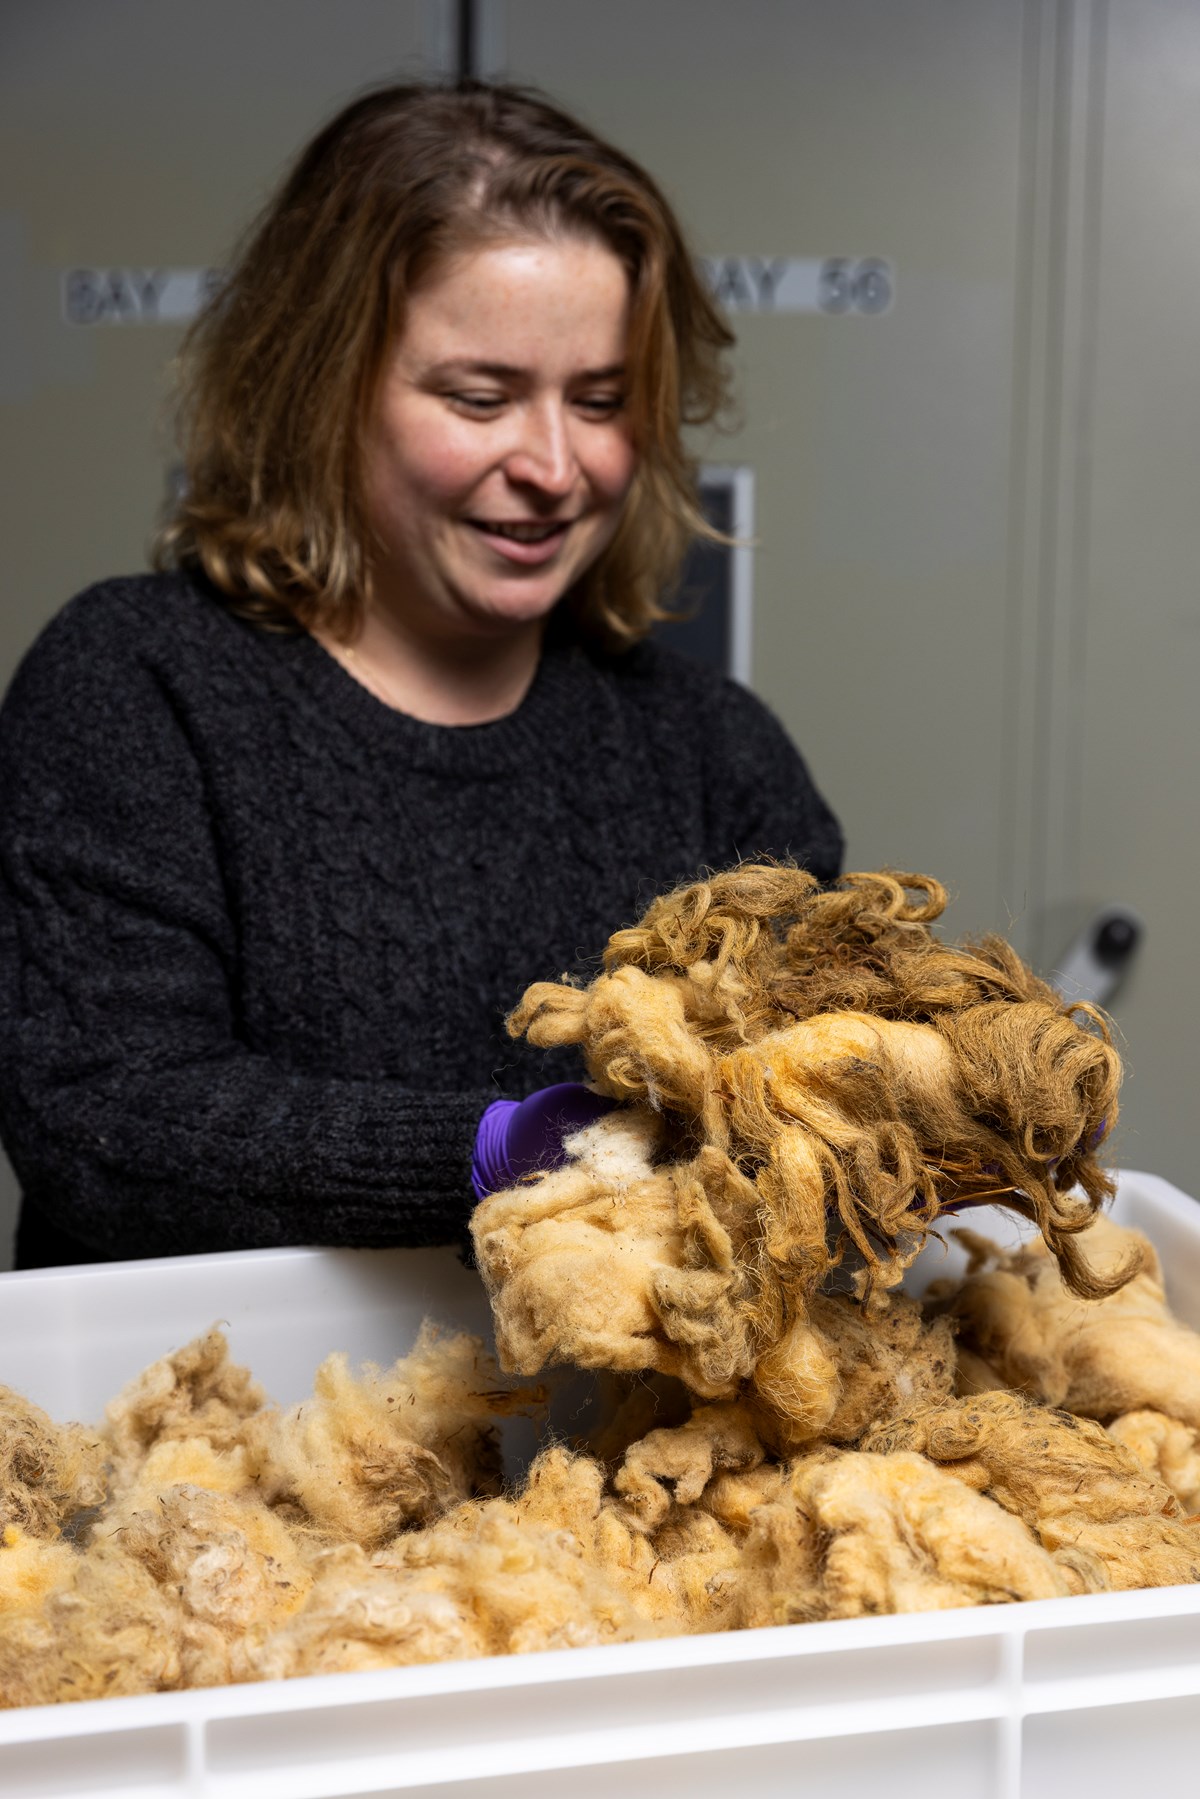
[289, 825]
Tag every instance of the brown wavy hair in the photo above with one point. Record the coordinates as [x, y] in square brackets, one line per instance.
[278, 374]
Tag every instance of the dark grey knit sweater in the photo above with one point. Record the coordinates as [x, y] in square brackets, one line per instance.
[258, 932]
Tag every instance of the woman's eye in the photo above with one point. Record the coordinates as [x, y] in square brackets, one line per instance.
[602, 405]
[483, 403]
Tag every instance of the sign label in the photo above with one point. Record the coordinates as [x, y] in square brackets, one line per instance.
[135, 296]
[833, 284]
[865, 285]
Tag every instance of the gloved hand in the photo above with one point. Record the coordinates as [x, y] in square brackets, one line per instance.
[515, 1137]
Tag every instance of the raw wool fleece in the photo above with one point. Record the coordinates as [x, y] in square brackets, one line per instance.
[483, 1580]
[48, 1472]
[213, 1539]
[852, 1535]
[105, 1630]
[1106, 1521]
[369, 1455]
[673, 1564]
[808, 1079]
[191, 1575]
[194, 1392]
[1122, 1353]
[1165, 1448]
[235, 1568]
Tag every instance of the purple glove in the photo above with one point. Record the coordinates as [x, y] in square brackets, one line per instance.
[515, 1137]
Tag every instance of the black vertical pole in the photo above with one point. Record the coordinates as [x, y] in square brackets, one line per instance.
[466, 46]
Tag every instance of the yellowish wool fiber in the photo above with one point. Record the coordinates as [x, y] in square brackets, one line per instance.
[187, 1461]
[972, 1374]
[48, 1472]
[628, 1408]
[572, 1260]
[207, 1549]
[808, 1079]
[230, 1558]
[671, 1467]
[733, 1499]
[107, 1631]
[1167, 1449]
[476, 1583]
[194, 1392]
[852, 1535]
[371, 1454]
[1098, 1357]
[199, 1571]
[843, 1367]
[31, 1568]
[671, 1568]
[1107, 1521]
[233, 1565]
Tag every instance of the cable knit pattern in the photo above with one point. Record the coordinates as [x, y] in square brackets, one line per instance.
[258, 932]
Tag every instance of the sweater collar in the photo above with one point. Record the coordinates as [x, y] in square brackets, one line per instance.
[562, 692]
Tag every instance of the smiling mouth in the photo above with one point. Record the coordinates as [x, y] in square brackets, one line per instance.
[521, 532]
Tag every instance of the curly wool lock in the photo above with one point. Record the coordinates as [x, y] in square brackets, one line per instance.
[809, 1078]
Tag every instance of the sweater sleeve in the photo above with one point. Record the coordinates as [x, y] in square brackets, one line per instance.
[136, 1116]
[763, 802]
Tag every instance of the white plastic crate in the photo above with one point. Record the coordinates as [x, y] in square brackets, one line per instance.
[1097, 1694]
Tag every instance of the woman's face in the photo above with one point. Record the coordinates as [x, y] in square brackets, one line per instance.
[499, 454]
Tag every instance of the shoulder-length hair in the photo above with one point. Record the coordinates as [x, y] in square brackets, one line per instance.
[279, 373]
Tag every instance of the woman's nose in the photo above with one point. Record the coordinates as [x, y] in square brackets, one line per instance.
[543, 455]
